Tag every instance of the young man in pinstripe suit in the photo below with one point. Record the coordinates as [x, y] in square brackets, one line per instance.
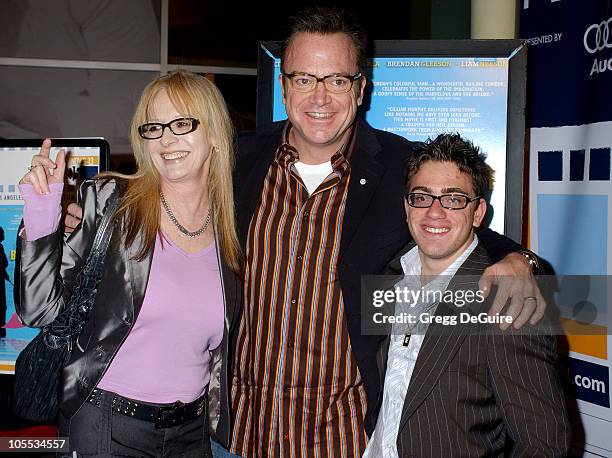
[446, 393]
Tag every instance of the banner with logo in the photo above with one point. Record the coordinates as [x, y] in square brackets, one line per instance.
[570, 214]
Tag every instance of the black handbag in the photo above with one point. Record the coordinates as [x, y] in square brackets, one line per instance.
[38, 368]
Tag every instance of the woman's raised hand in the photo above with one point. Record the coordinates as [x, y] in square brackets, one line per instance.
[44, 171]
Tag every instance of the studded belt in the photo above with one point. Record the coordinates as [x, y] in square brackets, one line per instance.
[164, 416]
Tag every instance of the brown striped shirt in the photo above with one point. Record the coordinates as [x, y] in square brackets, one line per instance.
[296, 387]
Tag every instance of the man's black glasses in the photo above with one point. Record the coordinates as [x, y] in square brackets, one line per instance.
[337, 83]
[448, 201]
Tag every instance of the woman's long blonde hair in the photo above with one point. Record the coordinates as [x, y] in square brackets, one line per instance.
[193, 96]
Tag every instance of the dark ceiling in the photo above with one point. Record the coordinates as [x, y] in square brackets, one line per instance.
[226, 33]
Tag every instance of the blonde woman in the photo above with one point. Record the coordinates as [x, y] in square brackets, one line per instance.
[149, 374]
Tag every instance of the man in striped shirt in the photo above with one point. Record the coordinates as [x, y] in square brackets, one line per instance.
[319, 204]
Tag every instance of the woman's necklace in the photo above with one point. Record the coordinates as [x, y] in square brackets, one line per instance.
[178, 225]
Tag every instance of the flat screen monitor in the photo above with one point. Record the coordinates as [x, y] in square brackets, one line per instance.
[86, 157]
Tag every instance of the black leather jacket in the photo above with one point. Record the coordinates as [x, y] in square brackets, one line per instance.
[46, 272]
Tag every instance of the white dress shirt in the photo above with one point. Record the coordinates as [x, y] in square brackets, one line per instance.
[401, 359]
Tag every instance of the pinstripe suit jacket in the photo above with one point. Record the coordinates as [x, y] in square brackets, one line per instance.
[482, 394]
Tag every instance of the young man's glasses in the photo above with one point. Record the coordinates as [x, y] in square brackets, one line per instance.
[179, 126]
[448, 201]
[337, 83]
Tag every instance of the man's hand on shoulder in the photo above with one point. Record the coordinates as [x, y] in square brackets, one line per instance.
[74, 215]
[515, 282]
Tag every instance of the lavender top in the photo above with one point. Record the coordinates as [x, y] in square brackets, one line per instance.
[166, 356]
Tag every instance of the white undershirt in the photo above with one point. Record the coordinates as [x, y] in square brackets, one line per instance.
[313, 175]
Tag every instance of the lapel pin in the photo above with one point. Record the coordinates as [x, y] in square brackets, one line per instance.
[362, 181]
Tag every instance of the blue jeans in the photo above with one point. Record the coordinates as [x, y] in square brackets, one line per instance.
[218, 451]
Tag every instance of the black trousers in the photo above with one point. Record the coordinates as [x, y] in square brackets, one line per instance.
[98, 431]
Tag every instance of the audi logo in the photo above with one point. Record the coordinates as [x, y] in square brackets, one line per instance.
[597, 37]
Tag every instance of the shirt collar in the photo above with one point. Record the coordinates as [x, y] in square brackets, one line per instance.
[411, 261]
[339, 160]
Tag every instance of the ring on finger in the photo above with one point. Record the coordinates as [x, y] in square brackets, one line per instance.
[530, 297]
[30, 168]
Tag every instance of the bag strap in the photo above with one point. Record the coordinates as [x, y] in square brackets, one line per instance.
[87, 280]
[104, 232]
[67, 326]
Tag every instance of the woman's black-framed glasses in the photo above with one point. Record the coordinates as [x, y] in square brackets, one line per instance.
[179, 126]
[448, 201]
[337, 83]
